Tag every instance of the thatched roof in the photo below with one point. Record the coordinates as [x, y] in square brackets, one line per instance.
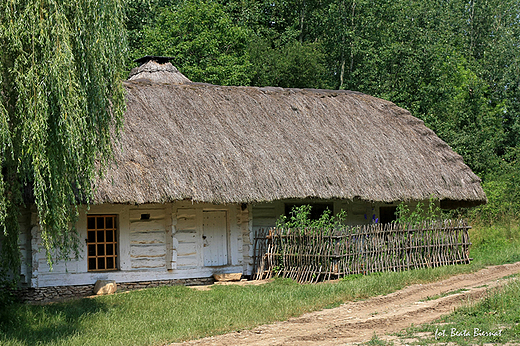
[228, 144]
[154, 71]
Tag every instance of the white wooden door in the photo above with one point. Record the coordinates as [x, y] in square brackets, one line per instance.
[215, 238]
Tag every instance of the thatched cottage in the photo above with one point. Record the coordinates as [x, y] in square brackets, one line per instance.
[200, 167]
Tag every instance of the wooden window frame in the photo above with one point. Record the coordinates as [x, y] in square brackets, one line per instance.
[102, 244]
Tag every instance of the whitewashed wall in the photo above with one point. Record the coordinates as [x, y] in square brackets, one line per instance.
[148, 237]
[24, 244]
[24, 241]
[168, 245]
[188, 231]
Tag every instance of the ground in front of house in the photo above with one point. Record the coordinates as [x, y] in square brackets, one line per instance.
[373, 320]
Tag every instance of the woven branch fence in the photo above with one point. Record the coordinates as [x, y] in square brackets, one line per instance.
[310, 255]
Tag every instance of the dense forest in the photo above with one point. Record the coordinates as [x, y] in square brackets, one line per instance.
[453, 63]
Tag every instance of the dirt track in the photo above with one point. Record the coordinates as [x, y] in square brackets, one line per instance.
[356, 322]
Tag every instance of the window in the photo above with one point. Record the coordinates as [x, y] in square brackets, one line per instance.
[102, 242]
[387, 214]
[317, 209]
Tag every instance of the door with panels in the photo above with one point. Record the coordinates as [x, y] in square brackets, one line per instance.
[215, 238]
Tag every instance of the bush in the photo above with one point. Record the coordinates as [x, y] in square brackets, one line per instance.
[502, 189]
[301, 219]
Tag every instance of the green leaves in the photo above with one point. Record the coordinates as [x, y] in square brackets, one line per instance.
[206, 45]
[294, 65]
[301, 219]
[420, 214]
[61, 95]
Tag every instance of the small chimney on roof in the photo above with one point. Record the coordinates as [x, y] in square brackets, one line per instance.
[157, 69]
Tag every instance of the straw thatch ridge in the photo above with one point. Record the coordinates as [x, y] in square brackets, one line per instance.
[153, 71]
[245, 144]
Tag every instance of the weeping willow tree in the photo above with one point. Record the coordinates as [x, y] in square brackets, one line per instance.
[60, 98]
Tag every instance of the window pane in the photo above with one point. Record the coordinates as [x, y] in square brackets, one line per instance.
[91, 264]
[110, 263]
[92, 250]
[91, 223]
[110, 223]
[110, 237]
[100, 236]
[101, 250]
[100, 222]
[110, 249]
[101, 263]
[91, 236]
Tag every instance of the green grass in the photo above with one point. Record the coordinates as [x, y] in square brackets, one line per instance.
[498, 312]
[494, 319]
[167, 314]
[375, 341]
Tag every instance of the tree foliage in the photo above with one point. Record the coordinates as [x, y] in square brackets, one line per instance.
[205, 44]
[60, 97]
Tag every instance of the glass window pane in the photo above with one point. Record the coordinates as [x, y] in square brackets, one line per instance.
[110, 237]
[101, 263]
[110, 249]
[110, 222]
[91, 264]
[91, 238]
[100, 222]
[92, 250]
[101, 250]
[100, 236]
[91, 222]
[110, 263]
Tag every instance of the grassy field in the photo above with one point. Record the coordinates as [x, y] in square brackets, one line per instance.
[492, 320]
[167, 314]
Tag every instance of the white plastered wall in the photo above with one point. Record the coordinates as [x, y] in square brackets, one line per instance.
[166, 244]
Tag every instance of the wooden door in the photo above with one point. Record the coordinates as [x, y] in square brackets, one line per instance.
[215, 238]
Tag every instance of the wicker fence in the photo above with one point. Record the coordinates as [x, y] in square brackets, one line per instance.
[311, 255]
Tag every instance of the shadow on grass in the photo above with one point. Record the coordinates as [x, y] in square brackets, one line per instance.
[43, 324]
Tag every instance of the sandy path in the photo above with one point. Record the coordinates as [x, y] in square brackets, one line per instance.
[356, 322]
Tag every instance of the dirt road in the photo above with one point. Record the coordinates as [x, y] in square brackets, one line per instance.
[356, 322]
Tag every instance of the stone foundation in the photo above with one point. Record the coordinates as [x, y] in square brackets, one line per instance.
[55, 293]
[47, 294]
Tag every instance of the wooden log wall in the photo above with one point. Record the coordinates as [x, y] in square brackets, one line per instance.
[311, 255]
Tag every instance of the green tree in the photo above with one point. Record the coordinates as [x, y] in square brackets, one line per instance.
[285, 49]
[140, 14]
[205, 44]
[449, 62]
[60, 98]
[293, 65]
